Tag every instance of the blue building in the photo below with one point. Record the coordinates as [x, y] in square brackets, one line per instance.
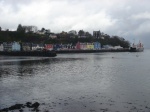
[57, 47]
[16, 46]
[97, 45]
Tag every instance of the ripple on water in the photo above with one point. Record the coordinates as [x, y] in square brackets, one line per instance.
[75, 82]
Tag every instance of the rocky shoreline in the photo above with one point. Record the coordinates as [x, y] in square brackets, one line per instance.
[20, 107]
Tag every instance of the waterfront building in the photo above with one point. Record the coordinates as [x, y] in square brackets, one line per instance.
[57, 47]
[78, 45]
[97, 45]
[7, 46]
[37, 47]
[1, 47]
[107, 47]
[71, 46]
[66, 46]
[82, 46]
[117, 47]
[26, 46]
[16, 46]
[48, 46]
[90, 46]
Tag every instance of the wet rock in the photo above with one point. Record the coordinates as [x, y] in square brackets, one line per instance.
[15, 107]
[4, 110]
[35, 109]
[29, 104]
[20, 110]
[35, 105]
[20, 107]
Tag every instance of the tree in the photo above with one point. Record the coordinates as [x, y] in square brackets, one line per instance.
[0, 29]
[88, 34]
[20, 28]
[81, 33]
[30, 28]
[43, 29]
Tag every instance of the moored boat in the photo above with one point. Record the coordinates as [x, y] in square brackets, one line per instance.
[137, 48]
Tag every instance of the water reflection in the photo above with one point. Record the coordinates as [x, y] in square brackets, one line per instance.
[77, 82]
[28, 66]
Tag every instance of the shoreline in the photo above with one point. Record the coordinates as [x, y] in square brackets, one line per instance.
[92, 51]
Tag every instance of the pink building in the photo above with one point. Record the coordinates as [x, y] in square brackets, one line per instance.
[82, 46]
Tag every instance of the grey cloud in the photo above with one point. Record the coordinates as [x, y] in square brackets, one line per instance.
[15, 4]
[126, 18]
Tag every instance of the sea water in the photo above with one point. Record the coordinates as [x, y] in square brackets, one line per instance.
[90, 82]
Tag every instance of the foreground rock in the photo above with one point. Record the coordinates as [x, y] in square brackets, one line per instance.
[21, 106]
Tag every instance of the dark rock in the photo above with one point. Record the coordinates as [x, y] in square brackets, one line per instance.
[4, 110]
[15, 107]
[20, 110]
[35, 105]
[35, 109]
[29, 104]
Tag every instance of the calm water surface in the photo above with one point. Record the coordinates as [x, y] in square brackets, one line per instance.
[78, 82]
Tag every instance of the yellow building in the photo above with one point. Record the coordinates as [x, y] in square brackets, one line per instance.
[90, 46]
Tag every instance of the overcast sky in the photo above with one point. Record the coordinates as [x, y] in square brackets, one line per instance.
[129, 19]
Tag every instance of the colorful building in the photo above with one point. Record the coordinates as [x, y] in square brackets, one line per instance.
[48, 46]
[82, 46]
[57, 47]
[16, 46]
[90, 46]
[97, 45]
[78, 45]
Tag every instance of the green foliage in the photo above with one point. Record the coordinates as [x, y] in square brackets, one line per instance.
[81, 33]
[20, 29]
[9, 36]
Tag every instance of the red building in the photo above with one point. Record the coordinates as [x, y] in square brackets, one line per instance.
[48, 46]
[78, 45]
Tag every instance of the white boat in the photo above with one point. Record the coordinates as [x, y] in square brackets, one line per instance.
[137, 47]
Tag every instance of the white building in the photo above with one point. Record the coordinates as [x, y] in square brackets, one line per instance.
[7, 46]
[36, 47]
[53, 36]
[117, 47]
[1, 47]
